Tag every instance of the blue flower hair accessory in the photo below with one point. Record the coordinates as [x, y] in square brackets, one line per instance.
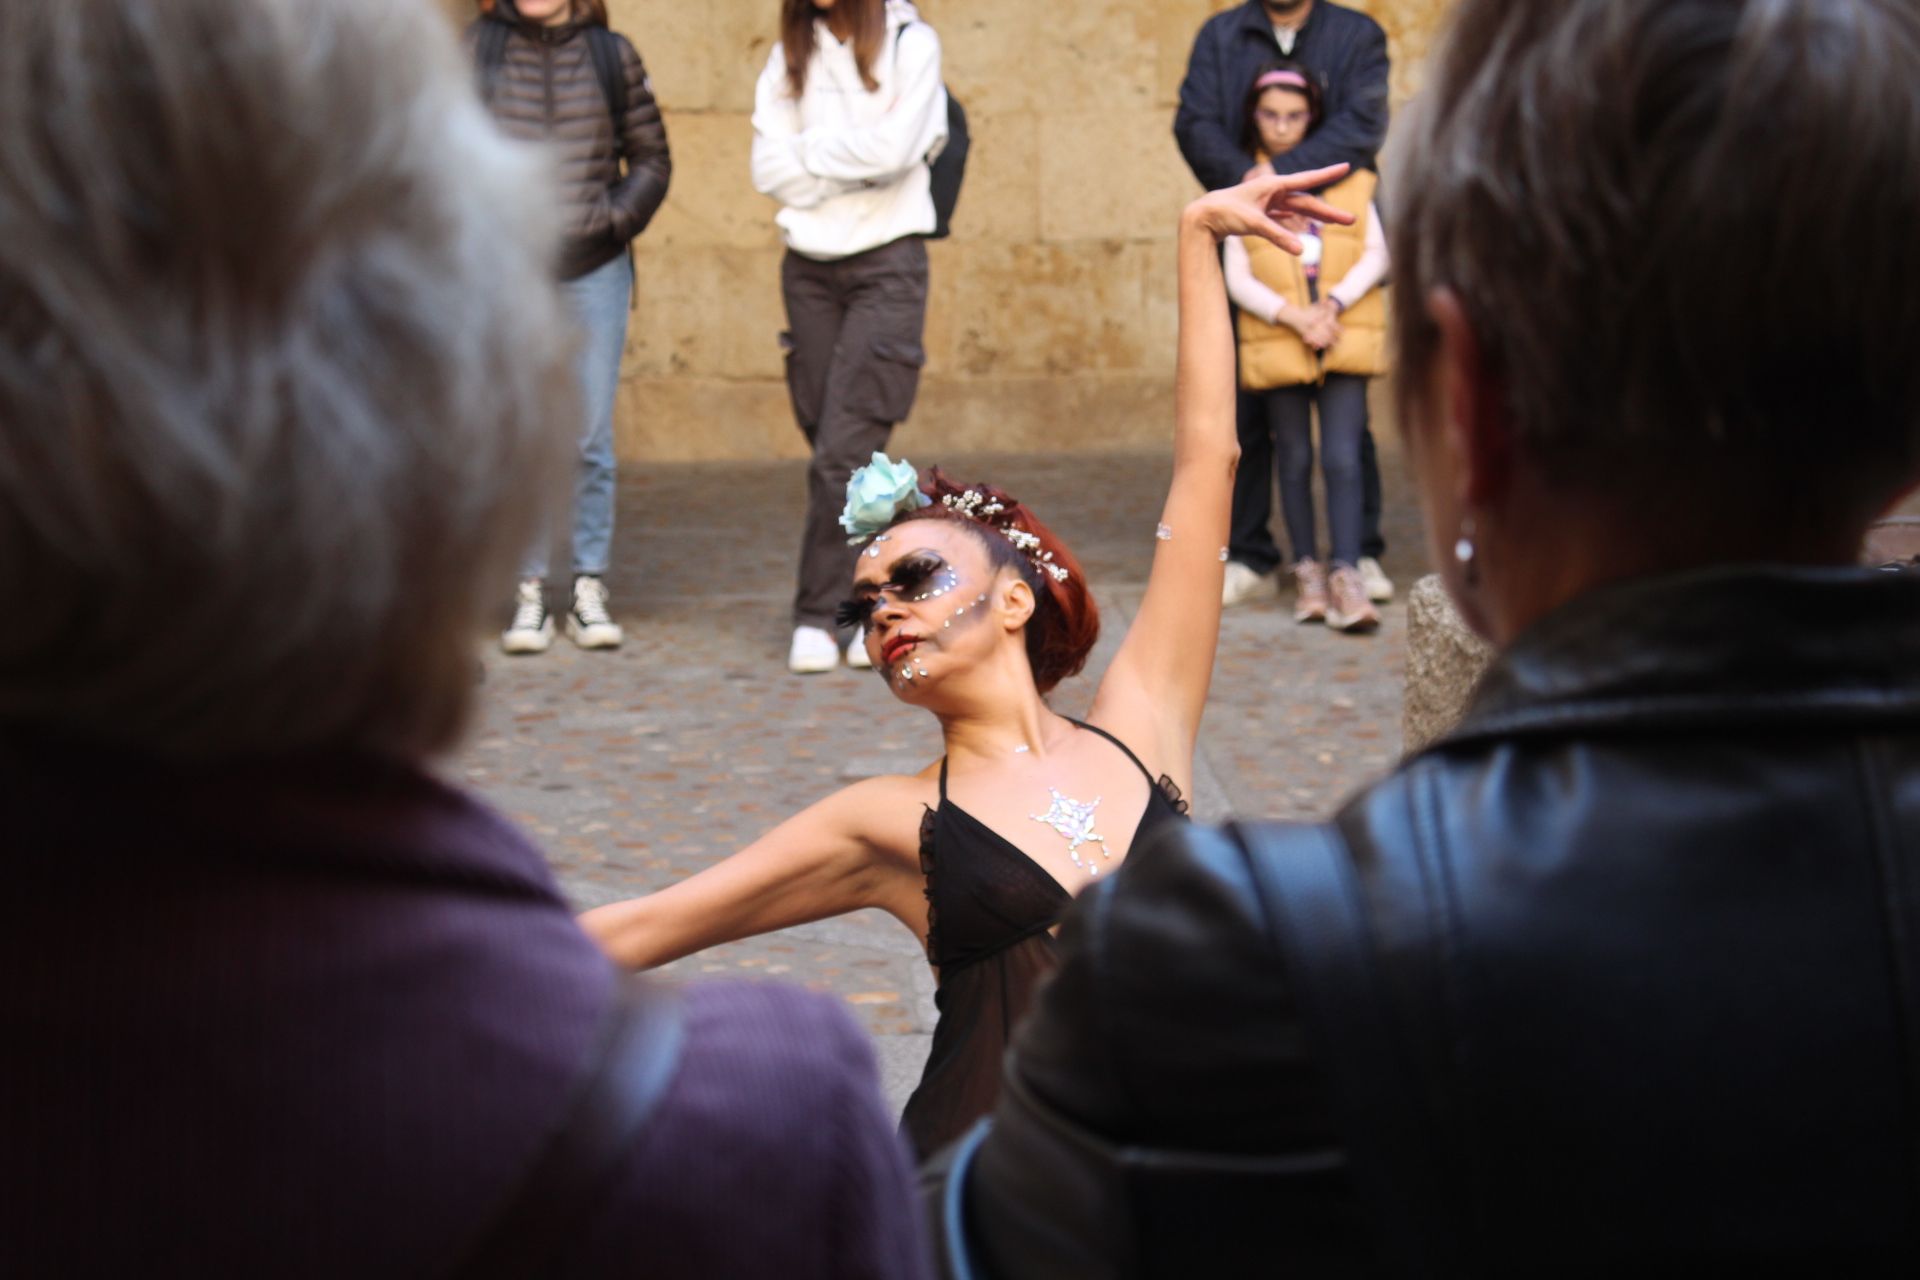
[878, 494]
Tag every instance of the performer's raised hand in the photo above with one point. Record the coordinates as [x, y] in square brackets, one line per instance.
[1255, 207]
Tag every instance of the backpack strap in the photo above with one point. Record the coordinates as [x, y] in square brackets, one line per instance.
[604, 48]
[633, 1060]
[490, 52]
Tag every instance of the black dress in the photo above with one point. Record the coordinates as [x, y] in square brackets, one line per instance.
[990, 908]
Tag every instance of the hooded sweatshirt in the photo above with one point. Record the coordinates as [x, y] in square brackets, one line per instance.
[849, 166]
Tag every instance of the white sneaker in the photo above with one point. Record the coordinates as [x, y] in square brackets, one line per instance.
[813, 651]
[1379, 586]
[1243, 584]
[589, 625]
[857, 652]
[531, 630]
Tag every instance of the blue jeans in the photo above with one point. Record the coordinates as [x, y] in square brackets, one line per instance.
[599, 299]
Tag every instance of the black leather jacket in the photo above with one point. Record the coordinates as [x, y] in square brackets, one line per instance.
[1621, 977]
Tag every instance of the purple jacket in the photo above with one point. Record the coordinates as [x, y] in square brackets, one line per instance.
[314, 1021]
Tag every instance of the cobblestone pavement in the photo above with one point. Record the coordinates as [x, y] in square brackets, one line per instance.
[637, 767]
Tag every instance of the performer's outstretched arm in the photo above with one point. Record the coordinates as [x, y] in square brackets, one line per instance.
[824, 861]
[1156, 688]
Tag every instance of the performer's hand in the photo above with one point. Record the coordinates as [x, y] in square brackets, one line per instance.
[1254, 207]
[1258, 171]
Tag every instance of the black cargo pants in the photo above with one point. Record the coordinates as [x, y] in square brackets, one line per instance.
[853, 349]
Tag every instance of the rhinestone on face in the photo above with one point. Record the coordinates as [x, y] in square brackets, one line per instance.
[1163, 533]
[1223, 555]
[948, 580]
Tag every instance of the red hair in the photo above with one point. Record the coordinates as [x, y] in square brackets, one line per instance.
[1065, 621]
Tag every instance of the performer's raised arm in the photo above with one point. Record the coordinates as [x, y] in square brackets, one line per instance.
[1156, 688]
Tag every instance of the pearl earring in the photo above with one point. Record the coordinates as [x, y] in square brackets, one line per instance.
[1465, 552]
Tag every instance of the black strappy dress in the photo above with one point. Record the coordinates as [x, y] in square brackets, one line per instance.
[989, 910]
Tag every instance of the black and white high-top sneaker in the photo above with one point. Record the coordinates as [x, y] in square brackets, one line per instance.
[589, 625]
[531, 630]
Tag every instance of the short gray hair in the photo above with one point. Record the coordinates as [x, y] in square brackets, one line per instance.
[1688, 232]
[283, 373]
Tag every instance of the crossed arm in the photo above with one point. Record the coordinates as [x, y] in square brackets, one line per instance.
[802, 168]
[778, 170]
[1156, 688]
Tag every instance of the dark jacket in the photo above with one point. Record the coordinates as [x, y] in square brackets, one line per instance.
[546, 91]
[1621, 978]
[318, 1020]
[1345, 50]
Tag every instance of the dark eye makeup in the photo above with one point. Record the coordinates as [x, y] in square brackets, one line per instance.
[916, 577]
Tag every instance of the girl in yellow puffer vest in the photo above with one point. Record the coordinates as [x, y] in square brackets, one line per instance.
[1312, 330]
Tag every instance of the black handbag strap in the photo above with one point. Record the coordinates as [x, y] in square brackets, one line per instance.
[604, 48]
[490, 51]
[633, 1060]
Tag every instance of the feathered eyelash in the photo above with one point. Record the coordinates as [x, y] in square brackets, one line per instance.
[910, 573]
[855, 611]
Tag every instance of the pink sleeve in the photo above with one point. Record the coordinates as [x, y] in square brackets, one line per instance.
[1244, 287]
[1370, 270]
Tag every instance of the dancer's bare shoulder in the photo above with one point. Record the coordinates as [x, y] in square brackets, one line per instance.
[885, 812]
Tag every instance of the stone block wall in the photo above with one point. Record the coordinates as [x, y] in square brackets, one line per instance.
[1051, 321]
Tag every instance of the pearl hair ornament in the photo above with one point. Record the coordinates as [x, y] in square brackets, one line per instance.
[977, 506]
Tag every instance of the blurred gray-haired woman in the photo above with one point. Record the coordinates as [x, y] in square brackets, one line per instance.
[280, 361]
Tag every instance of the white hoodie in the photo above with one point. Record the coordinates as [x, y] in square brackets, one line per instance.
[849, 167]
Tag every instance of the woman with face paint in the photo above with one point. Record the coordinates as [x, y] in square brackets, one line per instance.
[974, 611]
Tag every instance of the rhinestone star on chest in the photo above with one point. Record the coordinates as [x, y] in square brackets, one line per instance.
[1072, 820]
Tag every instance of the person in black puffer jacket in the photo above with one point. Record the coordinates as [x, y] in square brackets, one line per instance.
[538, 76]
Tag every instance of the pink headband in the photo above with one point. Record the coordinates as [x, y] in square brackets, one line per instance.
[1292, 79]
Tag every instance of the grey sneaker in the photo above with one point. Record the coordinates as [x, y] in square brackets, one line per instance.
[1242, 584]
[531, 630]
[814, 650]
[857, 651]
[1379, 586]
[589, 625]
